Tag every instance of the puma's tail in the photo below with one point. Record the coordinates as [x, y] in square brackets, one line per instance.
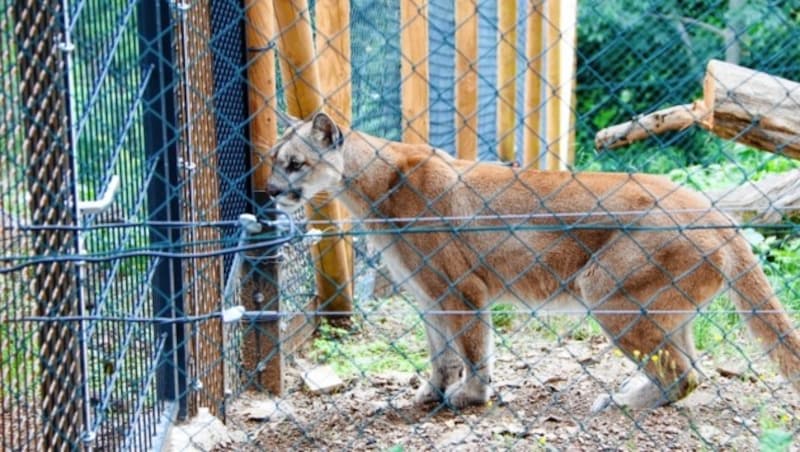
[763, 312]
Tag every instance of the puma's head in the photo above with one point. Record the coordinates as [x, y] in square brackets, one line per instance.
[306, 160]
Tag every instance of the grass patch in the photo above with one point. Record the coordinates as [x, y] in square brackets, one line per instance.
[349, 354]
[502, 316]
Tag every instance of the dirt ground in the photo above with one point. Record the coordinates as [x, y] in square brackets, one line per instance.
[543, 393]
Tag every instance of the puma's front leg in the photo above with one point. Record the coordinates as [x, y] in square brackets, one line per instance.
[446, 365]
[474, 337]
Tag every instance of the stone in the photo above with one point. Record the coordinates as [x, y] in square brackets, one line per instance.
[267, 410]
[201, 433]
[322, 380]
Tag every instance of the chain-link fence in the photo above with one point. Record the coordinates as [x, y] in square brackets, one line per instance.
[158, 293]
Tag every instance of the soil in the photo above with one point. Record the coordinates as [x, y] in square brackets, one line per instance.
[543, 393]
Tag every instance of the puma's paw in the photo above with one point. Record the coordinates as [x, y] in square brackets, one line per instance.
[428, 393]
[638, 392]
[460, 395]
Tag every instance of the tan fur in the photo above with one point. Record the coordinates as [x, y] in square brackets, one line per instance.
[617, 244]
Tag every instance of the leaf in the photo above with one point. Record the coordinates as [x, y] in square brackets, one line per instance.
[775, 440]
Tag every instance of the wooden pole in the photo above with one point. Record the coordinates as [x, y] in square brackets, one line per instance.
[303, 98]
[333, 54]
[297, 58]
[264, 342]
[506, 78]
[414, 69]
[466, 22]
[259, 31]
[532, 139]
[568, 16]
[553, 96]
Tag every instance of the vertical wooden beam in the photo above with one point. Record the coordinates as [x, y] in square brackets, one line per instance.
[297, 58]
[553, 92]
[333, 53]
[506, 78]
[466, 22]
[560, 33]
[532, 141]
[414, 69]
[568, 61]
[262, 349]
[259, 31]
[303, 98]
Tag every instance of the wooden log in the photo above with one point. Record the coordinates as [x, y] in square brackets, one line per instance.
[506, 78]
[764, 202]
[414, 70]
[751, 107]
[531, 137]
[667, 120]
[466, 22]
[333, 54]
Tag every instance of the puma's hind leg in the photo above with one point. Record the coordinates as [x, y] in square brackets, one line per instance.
[665, 354]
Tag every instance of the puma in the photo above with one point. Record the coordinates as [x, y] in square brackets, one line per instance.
[638, 252]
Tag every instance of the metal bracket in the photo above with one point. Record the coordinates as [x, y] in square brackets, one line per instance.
[100, 205]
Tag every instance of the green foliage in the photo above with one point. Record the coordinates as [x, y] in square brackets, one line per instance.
[712, 328]
[639, 56]
[775, 440]
[776, 432]
[502, 316]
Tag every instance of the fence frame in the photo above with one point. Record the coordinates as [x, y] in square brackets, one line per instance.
[160, 122]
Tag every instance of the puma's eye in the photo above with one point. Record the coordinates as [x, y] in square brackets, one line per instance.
[294, 165]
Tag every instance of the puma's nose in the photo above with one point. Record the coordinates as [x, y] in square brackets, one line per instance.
[274, 191]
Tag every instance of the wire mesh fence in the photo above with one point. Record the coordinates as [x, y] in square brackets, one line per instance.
[164, 287]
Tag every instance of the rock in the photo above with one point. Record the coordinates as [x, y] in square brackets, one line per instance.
[511, 428]
[201, 433]
[740, 371]
[506, 398]
[322, 380]
[709, 433]
[459, 435]
[698, 398]
[267, 410]
[395, 378]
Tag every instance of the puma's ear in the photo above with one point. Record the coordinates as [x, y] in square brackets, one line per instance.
[325, 131]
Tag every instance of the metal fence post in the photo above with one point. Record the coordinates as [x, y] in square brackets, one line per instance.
[160, 127]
